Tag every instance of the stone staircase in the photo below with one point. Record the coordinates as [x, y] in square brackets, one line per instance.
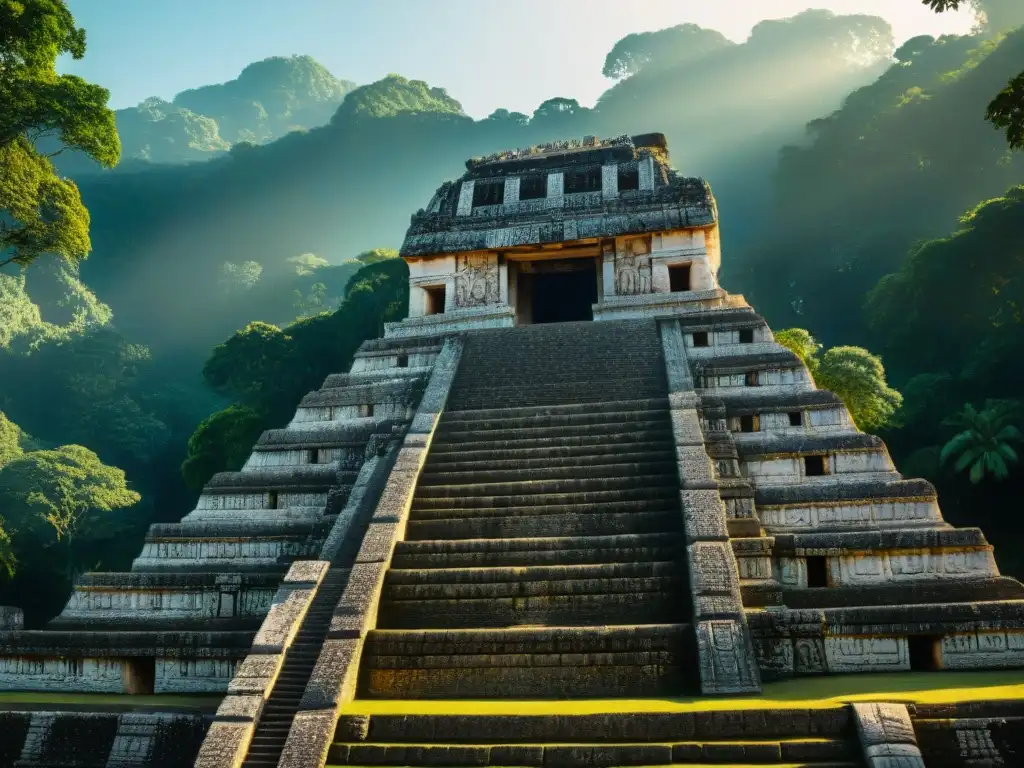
[544, 554]
[283, 702]
[818, 738]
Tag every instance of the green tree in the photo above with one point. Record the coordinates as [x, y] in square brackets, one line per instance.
[221, 443]
[238, 278]
[984, 444]
[52, 498]
[44, 212]
[858, 377]
[664, 48]
[1006, 111]
[800, 343]
[306, 264]
[852, 373]
[268, 369]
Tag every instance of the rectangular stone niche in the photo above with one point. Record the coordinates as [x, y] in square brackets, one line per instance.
[139, 675]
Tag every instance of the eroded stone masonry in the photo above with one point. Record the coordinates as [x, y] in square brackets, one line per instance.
[579, 469]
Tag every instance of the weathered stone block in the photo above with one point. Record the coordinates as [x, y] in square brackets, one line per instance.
[333, 680]
[309, 739]
[225, 745]
[695, 468]
[240, 708]
[352, 728]
[283, 620]
[703, 515]
[686, 427]
[356, 611]
[256, 675]
[306, 572]
[883, 723]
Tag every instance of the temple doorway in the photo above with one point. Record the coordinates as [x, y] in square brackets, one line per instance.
[556, 291]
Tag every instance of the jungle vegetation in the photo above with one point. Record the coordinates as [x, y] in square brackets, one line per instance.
[243, 249]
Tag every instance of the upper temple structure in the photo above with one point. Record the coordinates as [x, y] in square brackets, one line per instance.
[591, 230]
[579, 469]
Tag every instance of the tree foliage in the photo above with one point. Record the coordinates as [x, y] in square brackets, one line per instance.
[984, 444]
[664, 48]
[53, 500]
[44, 212]
[221, 443]
[852, 373]
[266, 370]
[1006, 111]
[394, 95]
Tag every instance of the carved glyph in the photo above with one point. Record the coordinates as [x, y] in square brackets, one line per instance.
[476, 280]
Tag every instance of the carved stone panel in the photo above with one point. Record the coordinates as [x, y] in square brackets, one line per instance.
[476, 280]
[727, 662]
[633, 269]
[713, 569]
[809, 656]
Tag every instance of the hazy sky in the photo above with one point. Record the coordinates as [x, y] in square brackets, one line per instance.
[512, 54]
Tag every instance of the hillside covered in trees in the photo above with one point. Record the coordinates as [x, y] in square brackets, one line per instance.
[267, 100]
[864, 200]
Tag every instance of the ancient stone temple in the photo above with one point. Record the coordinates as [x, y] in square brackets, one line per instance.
[581, 488]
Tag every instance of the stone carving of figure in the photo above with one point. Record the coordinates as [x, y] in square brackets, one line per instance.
[632, 273]
[476, 280]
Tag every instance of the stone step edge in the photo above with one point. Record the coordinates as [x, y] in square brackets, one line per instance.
[540, 511]
[615, 541]
[652, 403]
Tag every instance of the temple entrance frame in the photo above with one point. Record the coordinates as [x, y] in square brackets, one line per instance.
[553, 286]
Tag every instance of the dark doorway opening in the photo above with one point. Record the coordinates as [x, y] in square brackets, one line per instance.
[564, 291]
[679, 277]
[140, 675]
[923, 652]
[817, 572]
[814, 466]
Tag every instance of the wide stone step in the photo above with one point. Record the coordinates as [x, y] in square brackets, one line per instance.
[654, 547]
[592, 391]
[582, 418]
[473, 434]
[580, 472]
[536, 498]
[806, 752]
[658, 403]
[554, 486]
[560, 662]
[669, 504]
[633, 601]
[553, 456]
[486, 447]
[762, 724]
[541, 525]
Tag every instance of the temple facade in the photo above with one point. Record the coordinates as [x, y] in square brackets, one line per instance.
[583, 230]
[579, 469]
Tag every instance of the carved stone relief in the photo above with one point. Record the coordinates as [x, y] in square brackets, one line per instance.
[633, 269]
[476, 280]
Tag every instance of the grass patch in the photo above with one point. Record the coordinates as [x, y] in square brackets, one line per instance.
[802, 693]
[9, 699]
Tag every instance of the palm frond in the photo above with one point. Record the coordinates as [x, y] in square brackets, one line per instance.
[968, 457]
[957, 444]
[978, 471]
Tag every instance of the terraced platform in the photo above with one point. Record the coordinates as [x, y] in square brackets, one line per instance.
[822, 738]
[544, 553]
